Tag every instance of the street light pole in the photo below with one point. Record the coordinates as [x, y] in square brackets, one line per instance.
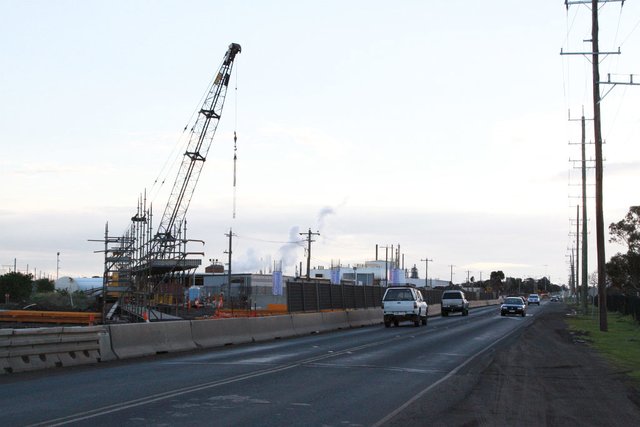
[57, 265]
[426, 272]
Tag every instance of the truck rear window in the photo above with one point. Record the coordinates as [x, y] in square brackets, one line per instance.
[451, 296]
[398, 295]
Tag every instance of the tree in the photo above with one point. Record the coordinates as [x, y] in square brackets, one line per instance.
[496, 279]
[45, 285]
[623, 270]
[627, 230]
[17, 285]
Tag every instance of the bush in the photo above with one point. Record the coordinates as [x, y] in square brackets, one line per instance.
[61, 300]
[45, 285]
[17, 285]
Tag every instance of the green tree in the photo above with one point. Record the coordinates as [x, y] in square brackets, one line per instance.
[623, 270]
[495, 279]
[627, 230]
[45, 285]
[17, 285]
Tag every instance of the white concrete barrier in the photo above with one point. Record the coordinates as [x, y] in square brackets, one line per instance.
[145, 339]
[335, 320]
[308, 323]
[364, 317]
[219, 332]
[271, 327]
[41, 348]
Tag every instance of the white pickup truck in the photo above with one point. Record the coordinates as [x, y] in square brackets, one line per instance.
[454, 301]
[404, 303]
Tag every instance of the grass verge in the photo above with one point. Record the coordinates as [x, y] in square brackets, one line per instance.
[620, 345]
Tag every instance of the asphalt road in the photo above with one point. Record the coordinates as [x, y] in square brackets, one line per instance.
[346, 378]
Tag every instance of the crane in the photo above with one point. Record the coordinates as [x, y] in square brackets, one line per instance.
[200, 137]
[145, 268]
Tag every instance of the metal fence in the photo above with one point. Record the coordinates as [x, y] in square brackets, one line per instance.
[316, 296]
[625, 304]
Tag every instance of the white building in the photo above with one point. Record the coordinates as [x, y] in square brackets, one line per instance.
[371, 272]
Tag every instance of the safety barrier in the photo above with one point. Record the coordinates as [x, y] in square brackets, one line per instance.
[145, 339]
[308, 323]
[40, 348]
[30, 349]
[269, 328]
[335, 320]
[220, 332]
[366, 317]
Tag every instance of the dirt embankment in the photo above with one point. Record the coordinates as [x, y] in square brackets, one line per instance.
[547, 377]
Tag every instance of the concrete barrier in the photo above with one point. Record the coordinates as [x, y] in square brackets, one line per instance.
[434, 310]
[219, 332]
[145, 339]
[334, 320]
[106, 351]
[272, 327]
[308, 323]
[41, 348]
[364, 317]
[85, 345]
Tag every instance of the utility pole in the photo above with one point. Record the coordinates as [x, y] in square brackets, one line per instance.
[583, 293]
[57, 265]
[582, 290]
[585, 271]
[597, 130]
[309, 240]
[229, 252]
[426, 271]
[451, 280]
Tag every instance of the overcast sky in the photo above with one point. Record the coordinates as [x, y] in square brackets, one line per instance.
[439, 126]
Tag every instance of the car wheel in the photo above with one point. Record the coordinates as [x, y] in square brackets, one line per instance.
[524, 314]
[424, 321]
[395, 323]
[387, 324]
[502, 314]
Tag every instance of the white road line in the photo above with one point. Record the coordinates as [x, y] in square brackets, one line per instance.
[117, 407]
[441, 380]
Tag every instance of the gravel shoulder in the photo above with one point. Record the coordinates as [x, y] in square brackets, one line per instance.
[542, 377]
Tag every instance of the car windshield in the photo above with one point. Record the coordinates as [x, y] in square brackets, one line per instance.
[398, 295]
[517, 301]
[451, 295]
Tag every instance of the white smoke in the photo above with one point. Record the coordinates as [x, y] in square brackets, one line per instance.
[288, 251]
[324, 212]
[252, 262]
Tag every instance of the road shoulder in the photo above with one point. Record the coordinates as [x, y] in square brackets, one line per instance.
[541, 377]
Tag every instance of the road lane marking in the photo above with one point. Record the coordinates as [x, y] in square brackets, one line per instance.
[441, 380]
[117, 407]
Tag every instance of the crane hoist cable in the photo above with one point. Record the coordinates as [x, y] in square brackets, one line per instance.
[235, 160]
[235, 144]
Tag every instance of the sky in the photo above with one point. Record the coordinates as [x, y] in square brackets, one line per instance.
[439, 126]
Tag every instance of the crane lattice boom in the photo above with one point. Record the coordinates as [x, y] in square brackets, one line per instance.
[200, 139]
